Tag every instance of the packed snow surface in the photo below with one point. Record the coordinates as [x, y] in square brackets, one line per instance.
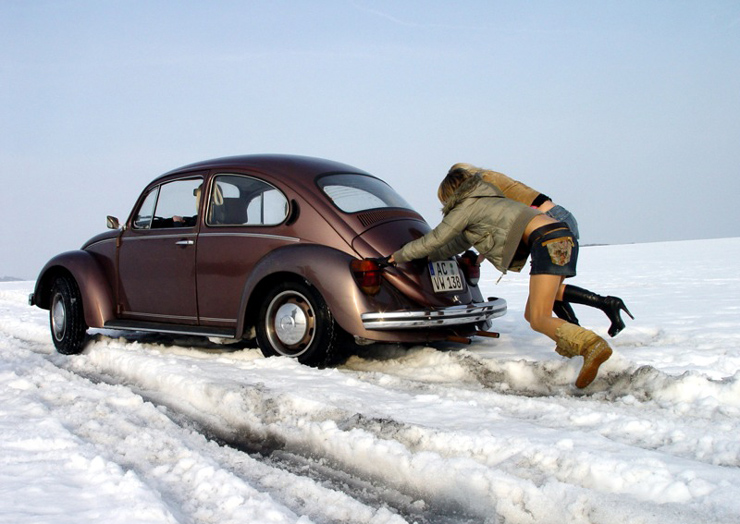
[144, 429]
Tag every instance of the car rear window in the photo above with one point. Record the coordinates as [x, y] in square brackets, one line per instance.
[354, 193]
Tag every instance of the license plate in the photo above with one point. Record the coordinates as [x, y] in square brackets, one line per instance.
[445, 276]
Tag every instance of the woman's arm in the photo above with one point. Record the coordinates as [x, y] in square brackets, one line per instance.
[455, 246]
[511, 188]
[443, 238]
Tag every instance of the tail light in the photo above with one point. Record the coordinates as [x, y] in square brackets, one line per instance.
[470, 267]
[367, 274]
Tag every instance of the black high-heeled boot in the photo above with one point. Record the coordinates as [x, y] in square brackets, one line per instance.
[611, 306]
[564, 310]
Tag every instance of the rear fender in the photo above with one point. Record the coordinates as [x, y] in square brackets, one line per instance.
[98, 302]
[325, 268]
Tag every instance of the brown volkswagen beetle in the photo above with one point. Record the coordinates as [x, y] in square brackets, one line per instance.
[277, 247]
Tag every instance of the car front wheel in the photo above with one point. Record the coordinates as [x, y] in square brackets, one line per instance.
[295, 322]
[66, 318]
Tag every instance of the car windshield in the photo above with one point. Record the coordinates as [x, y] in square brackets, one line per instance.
[353, 193]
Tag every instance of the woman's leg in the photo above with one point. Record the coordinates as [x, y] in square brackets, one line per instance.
[611, 306]
[543, 290]
[571, 340]
[554, 256]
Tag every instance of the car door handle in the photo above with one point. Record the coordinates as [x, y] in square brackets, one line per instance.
[184, 242]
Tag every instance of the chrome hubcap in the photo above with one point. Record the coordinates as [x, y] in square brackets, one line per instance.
[292, 322]
[58, 317]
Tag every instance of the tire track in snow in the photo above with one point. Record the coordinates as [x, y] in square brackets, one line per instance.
[319, 478]
[476, 473]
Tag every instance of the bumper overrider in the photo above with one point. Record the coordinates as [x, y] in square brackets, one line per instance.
[438, 317]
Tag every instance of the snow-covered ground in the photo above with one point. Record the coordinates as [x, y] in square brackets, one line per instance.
[139, 429]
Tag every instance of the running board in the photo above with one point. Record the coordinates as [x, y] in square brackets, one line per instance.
[199, 331]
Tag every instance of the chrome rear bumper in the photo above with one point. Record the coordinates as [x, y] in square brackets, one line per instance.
[432, 318]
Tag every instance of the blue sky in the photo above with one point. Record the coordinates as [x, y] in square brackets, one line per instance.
[625, 112]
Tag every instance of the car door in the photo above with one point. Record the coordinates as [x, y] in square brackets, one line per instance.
[242, 225]
[156, 256]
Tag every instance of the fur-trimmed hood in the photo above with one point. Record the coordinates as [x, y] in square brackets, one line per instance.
[474, 187]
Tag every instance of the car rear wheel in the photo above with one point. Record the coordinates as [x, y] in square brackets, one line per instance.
[66, 318]
[295, 322]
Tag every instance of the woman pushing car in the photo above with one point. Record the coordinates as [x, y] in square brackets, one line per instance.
[506, 232]
[567, 294]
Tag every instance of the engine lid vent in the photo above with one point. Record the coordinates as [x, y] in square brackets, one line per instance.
[368, 218]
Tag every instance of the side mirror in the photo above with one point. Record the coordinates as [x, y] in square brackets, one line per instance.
[112, 222]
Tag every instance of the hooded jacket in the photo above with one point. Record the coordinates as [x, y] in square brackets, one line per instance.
[478, 215]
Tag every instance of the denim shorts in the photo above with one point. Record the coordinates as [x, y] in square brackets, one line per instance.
[554, 250]
[561, 214]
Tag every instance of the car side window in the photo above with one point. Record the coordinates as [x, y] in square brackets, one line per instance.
[170, 205]
[243, 200]
[145, 214]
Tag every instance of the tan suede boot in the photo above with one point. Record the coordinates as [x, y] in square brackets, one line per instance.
[574, 340]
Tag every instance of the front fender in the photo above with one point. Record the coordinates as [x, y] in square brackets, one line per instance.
[98, 302]
[325, 268]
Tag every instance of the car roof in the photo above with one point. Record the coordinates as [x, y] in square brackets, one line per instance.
[284, 166]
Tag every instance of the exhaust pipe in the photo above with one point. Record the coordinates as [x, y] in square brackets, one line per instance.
[459, 340]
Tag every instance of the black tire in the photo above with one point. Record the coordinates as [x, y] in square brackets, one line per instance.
[66, 318]
[294, 321]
